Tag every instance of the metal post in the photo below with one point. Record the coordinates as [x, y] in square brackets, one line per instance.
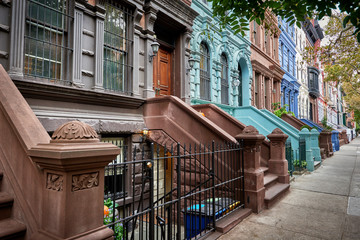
[178, 173]
[151, 200]
[213, 183]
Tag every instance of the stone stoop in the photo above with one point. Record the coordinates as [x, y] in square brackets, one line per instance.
[274, 193]
[274, 190]
[9, 228]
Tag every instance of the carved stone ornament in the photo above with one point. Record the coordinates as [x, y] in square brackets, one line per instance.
[251, 130]
[85, 181]
[54, 182]
[75, 131]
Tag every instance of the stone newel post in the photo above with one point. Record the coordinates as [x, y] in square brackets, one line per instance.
[72, 197]
[253, 174]
[315, 144]
[277, 162]
[325, 142]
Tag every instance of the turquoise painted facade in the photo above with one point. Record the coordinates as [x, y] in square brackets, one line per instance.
[222, 71]
[209, 46]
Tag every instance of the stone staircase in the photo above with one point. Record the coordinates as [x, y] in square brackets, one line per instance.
[274, 190]
[9, 227]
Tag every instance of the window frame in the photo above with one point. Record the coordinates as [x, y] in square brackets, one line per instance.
[205, 76]
[59, 68]
[124, 68]
[224, 79]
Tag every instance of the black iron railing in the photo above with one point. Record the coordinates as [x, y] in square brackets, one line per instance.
[174, 193]
[289, 157]
[300, 164]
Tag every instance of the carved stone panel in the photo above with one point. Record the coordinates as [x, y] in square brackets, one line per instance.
[85, 181]
[54, 182]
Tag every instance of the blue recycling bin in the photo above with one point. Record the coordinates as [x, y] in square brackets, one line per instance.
[198, 216]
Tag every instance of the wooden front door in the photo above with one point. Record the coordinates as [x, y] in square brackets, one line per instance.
[162, 72]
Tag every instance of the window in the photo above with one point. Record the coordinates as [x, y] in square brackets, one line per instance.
[116, 170]
[47, 52]
[117, 48]
[267, 102]
[256, 89]
[288, 60]
[254, 32]
[240, 86]
[204, 72]
[224, 80]
[281, 54]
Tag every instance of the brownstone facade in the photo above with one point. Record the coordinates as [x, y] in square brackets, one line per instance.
[267, 73]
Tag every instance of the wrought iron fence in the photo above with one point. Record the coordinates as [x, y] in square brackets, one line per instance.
[301, 163]
[289, 157]
[173, 193]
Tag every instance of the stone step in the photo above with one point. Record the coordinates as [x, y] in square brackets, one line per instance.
[11, 229]
[274, 193]
[6, 202]
[264, 169]
[270, 180]
[231, 220]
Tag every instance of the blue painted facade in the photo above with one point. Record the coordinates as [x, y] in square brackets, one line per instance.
[222, 69]
[287, 58]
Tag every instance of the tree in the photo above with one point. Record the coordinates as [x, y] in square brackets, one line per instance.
[341, 58]
[237, 13]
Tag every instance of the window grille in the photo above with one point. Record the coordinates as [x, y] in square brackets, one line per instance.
[204, 72]
[117, 48]
[224, 80]
[116, 170]
[240, 86]
[256, 90]
[47, 49]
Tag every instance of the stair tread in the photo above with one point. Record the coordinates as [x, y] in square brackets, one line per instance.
[10, 226]
[275, 190]
[228, 222]
[264, 169]
[269, 177]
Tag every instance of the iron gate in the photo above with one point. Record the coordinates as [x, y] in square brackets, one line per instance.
[173, 193]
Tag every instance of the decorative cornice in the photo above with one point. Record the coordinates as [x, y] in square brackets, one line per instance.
[178, 8]
[53, 92]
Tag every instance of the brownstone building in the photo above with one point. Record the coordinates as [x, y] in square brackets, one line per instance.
[267, 73]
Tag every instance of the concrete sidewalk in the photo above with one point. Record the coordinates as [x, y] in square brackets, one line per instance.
[324, 204]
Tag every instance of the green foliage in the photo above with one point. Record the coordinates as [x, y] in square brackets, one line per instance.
[294, 11]
[327, 128]
[108, 219]
[340, 56]
[297, 163]
[279, 111]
